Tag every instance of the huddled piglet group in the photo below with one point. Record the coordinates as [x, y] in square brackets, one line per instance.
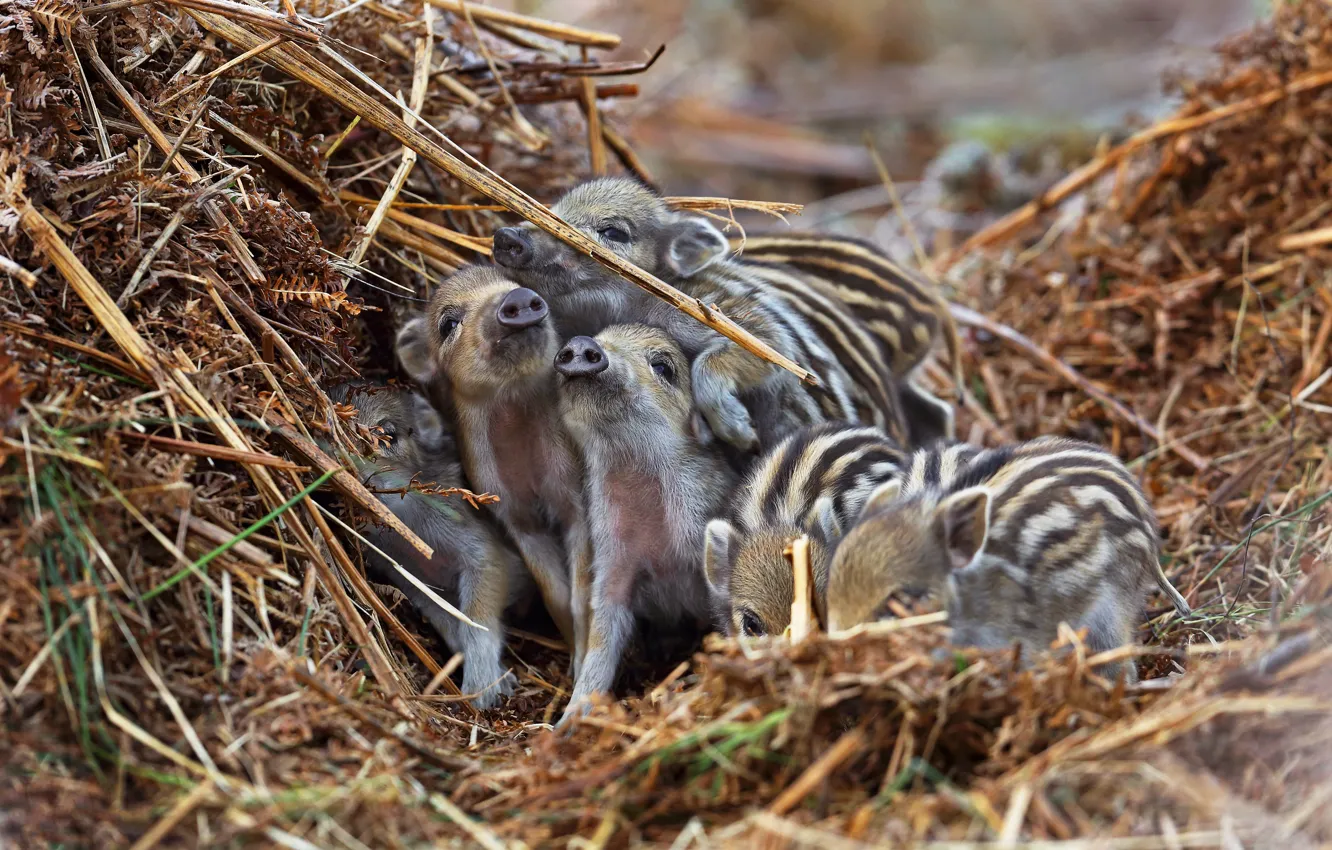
[648, 468]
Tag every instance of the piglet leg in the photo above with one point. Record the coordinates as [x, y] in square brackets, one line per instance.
[612, 626]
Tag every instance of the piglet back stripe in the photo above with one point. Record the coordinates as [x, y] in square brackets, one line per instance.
[851, 344]
[823, 460]
[874, 261]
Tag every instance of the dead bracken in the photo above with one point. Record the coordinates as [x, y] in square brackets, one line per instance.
[201, 201]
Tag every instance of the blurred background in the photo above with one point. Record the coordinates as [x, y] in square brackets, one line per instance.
[774, 99]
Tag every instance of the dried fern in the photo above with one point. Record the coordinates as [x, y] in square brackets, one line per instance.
[58, 17]
[289, 290]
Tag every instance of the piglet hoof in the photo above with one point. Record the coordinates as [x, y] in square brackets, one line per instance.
[730, 422]
[578, 707]
[490, 686]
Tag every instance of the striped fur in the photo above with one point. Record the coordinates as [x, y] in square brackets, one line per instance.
[818, 333]
[902, 313]
[814, 482]
[747, 403]
[1011, 541]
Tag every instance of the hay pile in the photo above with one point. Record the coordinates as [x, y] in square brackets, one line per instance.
[177, 245]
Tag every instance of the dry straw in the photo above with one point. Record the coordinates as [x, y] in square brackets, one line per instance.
[208, 216]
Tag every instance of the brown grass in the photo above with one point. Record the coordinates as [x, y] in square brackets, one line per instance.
[191, 655]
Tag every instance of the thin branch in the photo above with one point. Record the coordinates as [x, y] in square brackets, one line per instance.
[971, 318]
[300, 64]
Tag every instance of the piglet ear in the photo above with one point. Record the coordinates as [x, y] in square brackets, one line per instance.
[692, 245]
[880, 497]
[699, 429]
[412, 346]
[720, 542]
[962, 523]
[430, 430]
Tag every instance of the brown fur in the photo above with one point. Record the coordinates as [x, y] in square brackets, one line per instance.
[473, 567]
[1011, 542]
[650, 487]
[502, 388]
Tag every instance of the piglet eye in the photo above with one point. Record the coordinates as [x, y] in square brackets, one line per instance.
[663, 369]
[750, 624]
[389, 432]
[447, 325]
[612, 233]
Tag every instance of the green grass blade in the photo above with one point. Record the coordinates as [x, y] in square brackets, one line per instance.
[267, 518]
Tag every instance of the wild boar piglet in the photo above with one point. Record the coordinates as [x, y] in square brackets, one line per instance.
[491, 342]
[903, 312]
[650, 488]
[744, 401]
[473, 567]
[814, 483]
[1010, 542]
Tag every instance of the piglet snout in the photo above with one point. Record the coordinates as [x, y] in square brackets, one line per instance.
[513, 248]
[522, 308]
[581, 356]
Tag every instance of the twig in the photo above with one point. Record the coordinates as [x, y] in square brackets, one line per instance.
[110, 359]
[106, 312]
[836, 755]
[802, 607]
[266, 18]
[596, 149]
[885, 626]
[584, 68]
[971, 318]
[347, 484]
[476, 829]
[103, 141]
[625, 154]
[952, 341]
[559, 32]
[447, 261]
[341, 137]
[420, 79]
[10, 267]
[1308, 239]
[1016, 220]
[922, 259]
[184, 134]
[776, 209]
[471, 243]
[215, 452]
[320, 189]
[300, 64]
[414, 205]
[220, 70]
[429, 488]
[219, 536]
[380, 662]
[178, 812]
